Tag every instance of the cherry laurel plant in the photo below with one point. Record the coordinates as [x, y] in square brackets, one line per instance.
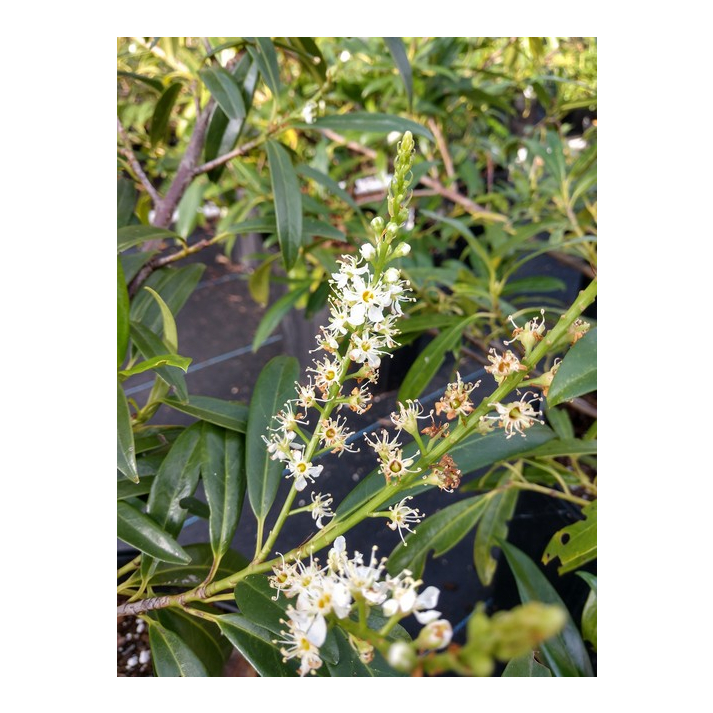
[349, 592]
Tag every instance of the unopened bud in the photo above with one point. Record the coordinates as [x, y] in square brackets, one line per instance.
[377, 225]
[391, 230]
[392, 275]
[435, 635]
[401, 250]
[401, 656]
[367, 251]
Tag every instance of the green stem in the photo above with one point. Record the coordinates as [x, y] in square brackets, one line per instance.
[129, 566]
[526, 485]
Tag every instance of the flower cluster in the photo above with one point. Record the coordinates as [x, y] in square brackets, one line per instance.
[324, 595]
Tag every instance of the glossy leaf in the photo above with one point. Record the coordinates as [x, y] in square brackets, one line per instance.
[439, 533]
[559, 420]
[192, 574]
[175, 287]
[259, 281]
[565, 653]
[576, 544]
[589, 614]
[493, 526]
[141, 532]
[266, 58]
[321, 229]
[125, 201]
[201, 636]
[329, 183]
[577, 373]
[133, 262]
[122, 314]
[558, 447]
[125, 450]
[350, 665]
[223, 475]
[151, 346]
[128, 489]
[170, 655]
[272, 318]
[225, 90]
[255, 644]
[195, 507]
[364, 122]
[228, 414]
[275, 385]
[162, 113]
[170, 332]
[288, 202]
[254, 597]
[398, 52]
[155, 362]
[188, 209]
[429, 361]
[526, 666]
[131, 235]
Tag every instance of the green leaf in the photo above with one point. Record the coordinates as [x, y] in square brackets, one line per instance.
[274, 315]
[275, 385]
[329, 183]
[122, 315]
[254, 597]
[576, 544]
[228, 414]
[429, 361]
[398, 52]
[225, 90]
[577, 374]
[589, 614]
[170, 655]
[131, 235]
[565, 653]
[148, 81]
[155, 362]
[321, 229]
[266, 58]
[125, 202]
[310, 56]
[259, 281]
[195, 507]
[125, 453]
[255, 644]
[422, 322]
[350, 665]
[560, 422]
[493, 526]
[193, 574]
[223, 475]
[127, 489]
[152, 347]
[288, 202]
[162, 113]
[364, 122]
[526, 666]
[141, 532]
[439, 533]
[201, 636]
[170, 333]
[188, 209]
[175, 287]
[558, 447]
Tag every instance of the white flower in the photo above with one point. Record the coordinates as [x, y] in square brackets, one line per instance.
[435, 635]
[407, 417]
[365, 348]
[280, 445]
[366, 300]
[348, 270]
[368, 251]
[308, 112]
[303, 643]
[516, 415]
[333, 435]
[321, 508]
[302, 470]
[503, 365]
[402, 516]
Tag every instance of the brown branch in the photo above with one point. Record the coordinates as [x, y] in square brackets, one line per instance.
[134, 163]
[353, 145]
[470, 206]
[442, 148]
[239, 151]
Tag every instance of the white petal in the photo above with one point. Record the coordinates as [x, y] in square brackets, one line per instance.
[428, 598]
[390, 607]
[318, 631]
[424, 617]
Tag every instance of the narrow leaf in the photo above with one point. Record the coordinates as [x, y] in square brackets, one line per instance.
[141, 532]
[256, 644]
[131, 235]
[155, 362]
[254, 597]
[589, 614]
[125, 201]
[565, 653]
[439, 533]
[288, 202]
[190, 575]
[122, 314]
[266, 58]
[275, 385]
[228, 414]
[225, 90]
[576, 544]
[364, 122]
[274, 315]
[577, 374]
[329, 183]
[398, 52]
[162, 113]
[170, 333]
[223, 475]
[188, 209]
[170, 655]
[125, 453]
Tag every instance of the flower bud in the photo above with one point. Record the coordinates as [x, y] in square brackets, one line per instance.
[401, 250]
[401, 656]
[392, 275]
[377, 225]
[367, 251]
[435, 635]
[391, 230]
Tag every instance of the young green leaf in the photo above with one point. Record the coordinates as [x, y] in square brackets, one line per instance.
[125, 449]
[155, 362]
[275, 385]
[223, 475]
[565, 653]
[141, 532]
[188, 209]
[577, 373]
[589, 614]
[288, 202]
[576, 544]
[170, 655]
[162, 113]
[225, 90]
